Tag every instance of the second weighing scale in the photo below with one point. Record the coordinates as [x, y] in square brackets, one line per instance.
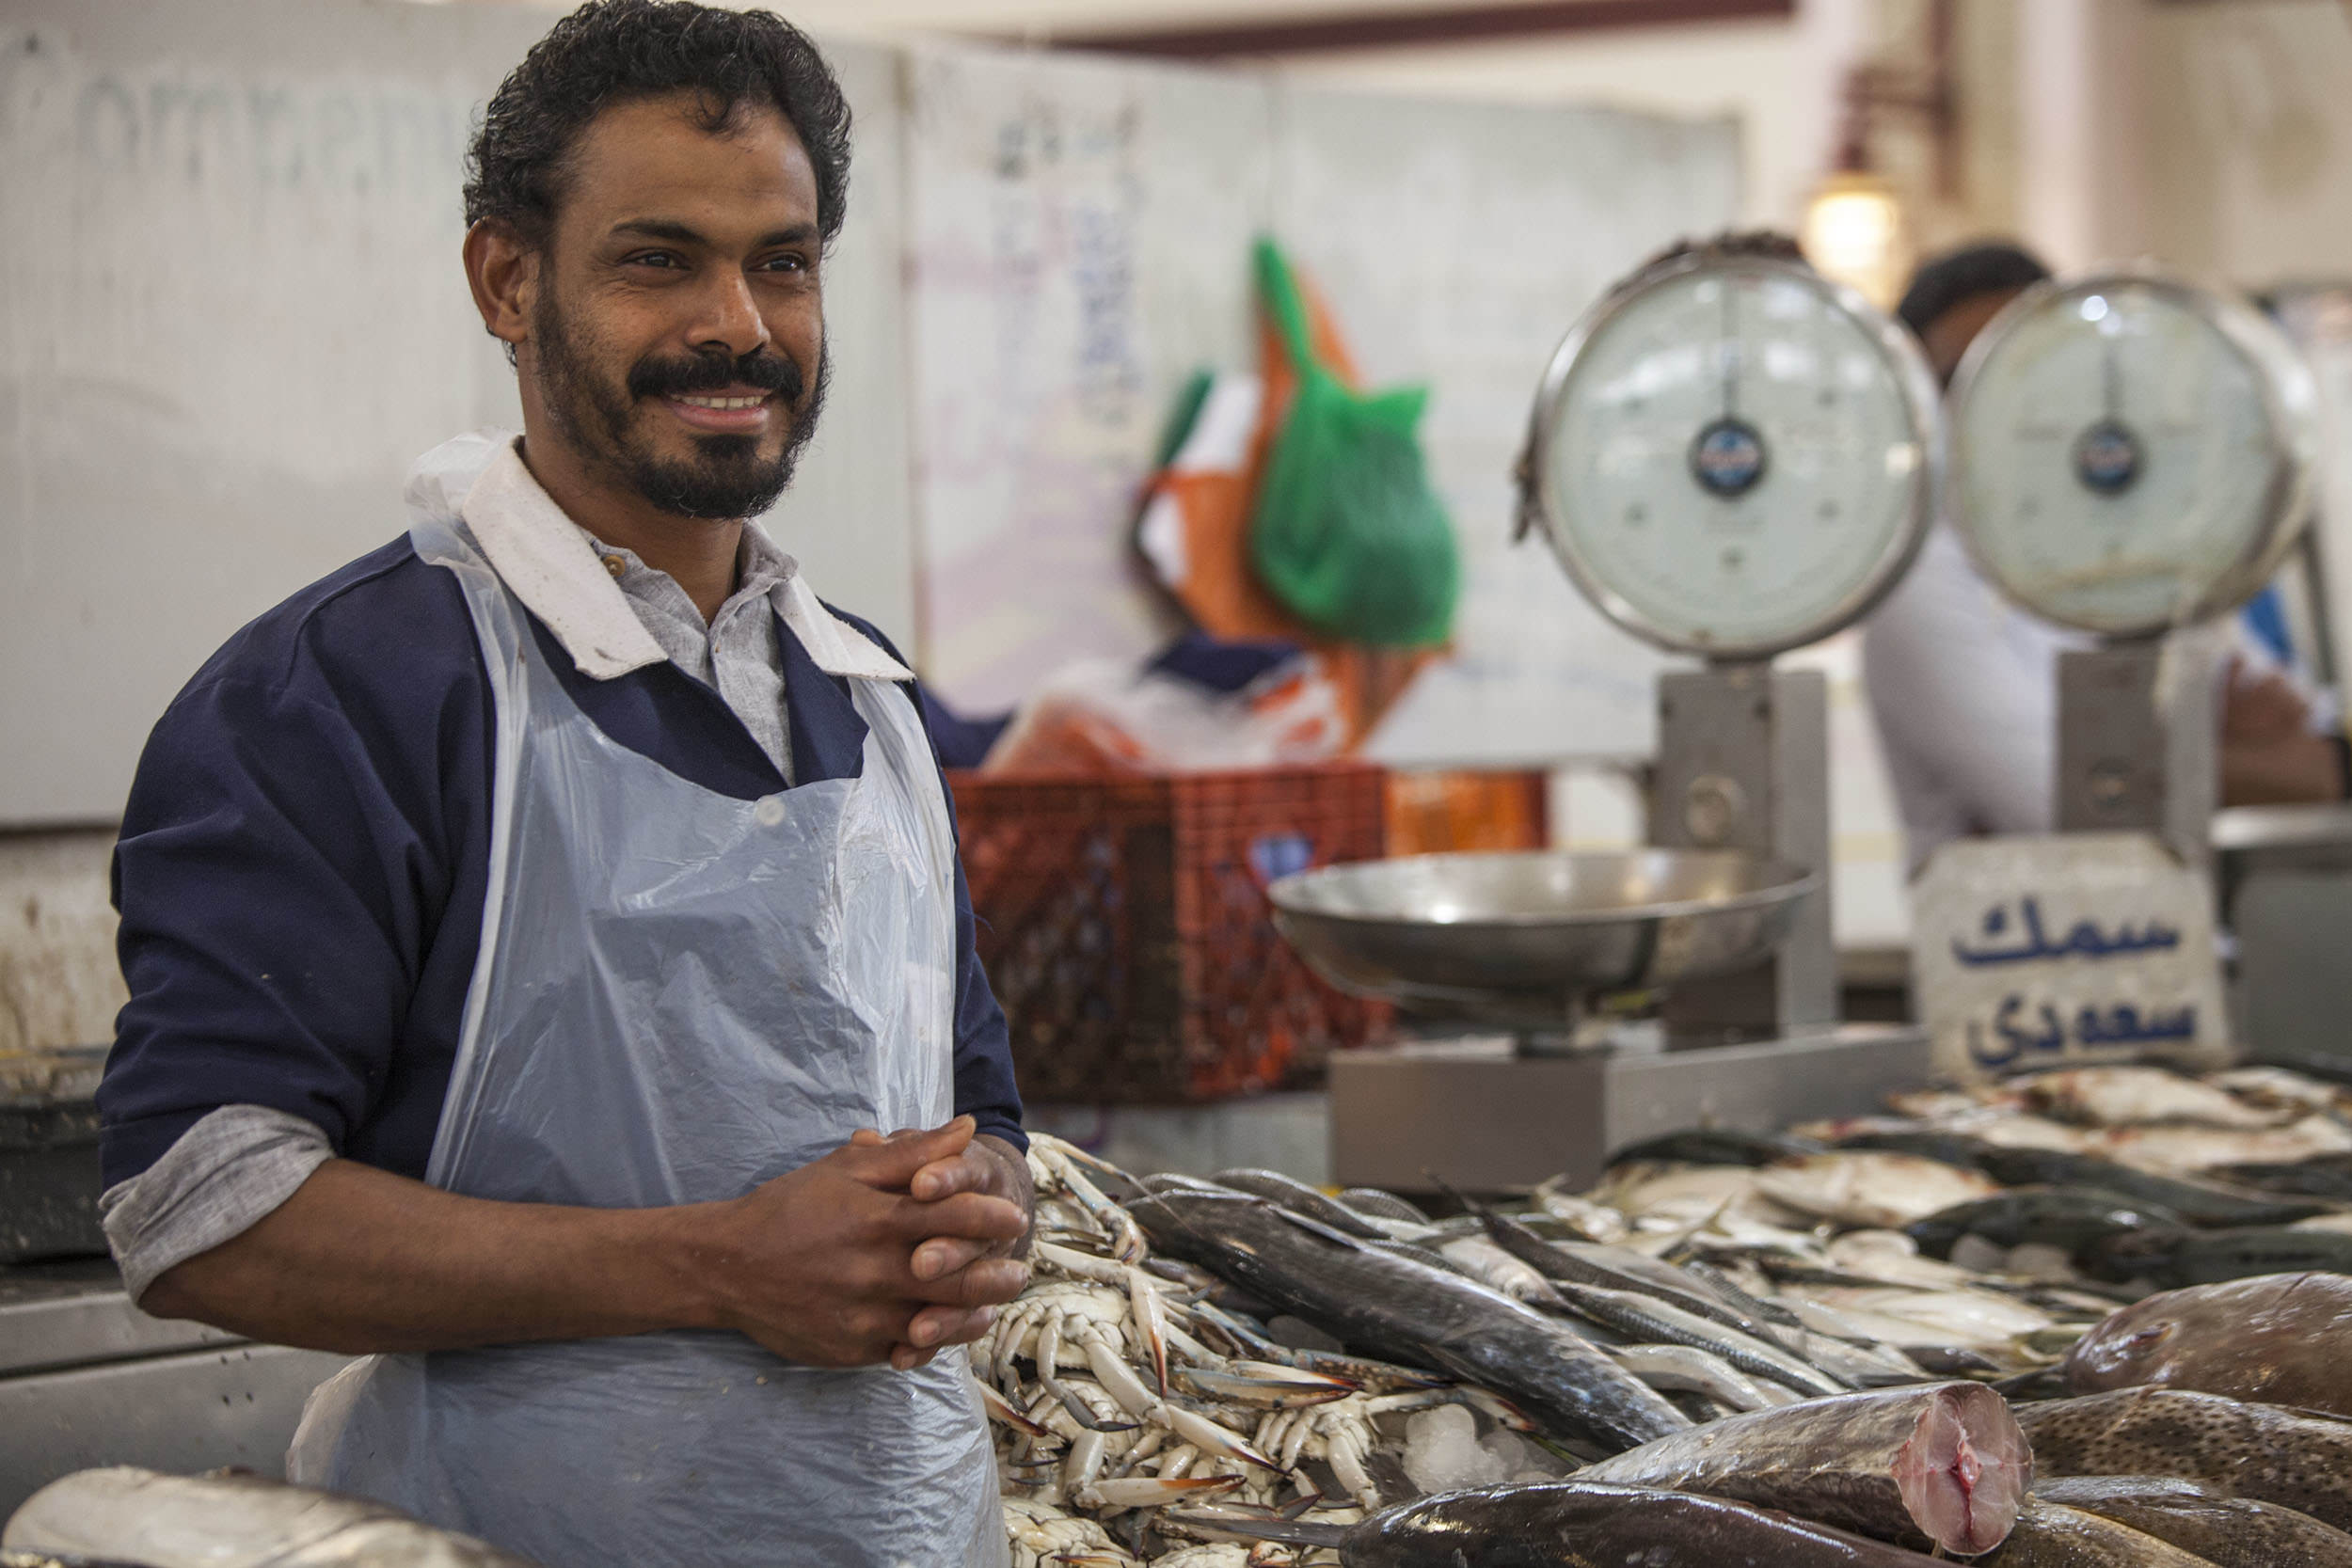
[1732, 457]
[2134, 456]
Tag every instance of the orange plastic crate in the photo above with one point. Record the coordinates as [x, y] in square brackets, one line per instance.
[1124, 926]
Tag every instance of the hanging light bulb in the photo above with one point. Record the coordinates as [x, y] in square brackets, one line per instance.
[1853, 232]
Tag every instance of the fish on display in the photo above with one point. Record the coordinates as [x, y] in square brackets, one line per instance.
[2047, 1217]
[1869, 1188]
[2279, 1338]
[2321, 1177]
[123, 1516]
[1715, 1146]
[2199, 1202]
[1300, 1198]
[1646, 1320]
[1943, 1466]
[2243, 1450]
[2049, 1535]
[2229, 1532]
[1394, 1308]
[2137, 1095]
[2178, 1257]
[1622, 1269]
[1963, 1149]
[2174, 1149]
[1372, 1203]
[1572, 1524]
[2266, 1086]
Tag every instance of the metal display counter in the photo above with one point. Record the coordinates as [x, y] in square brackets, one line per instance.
[87, 1379]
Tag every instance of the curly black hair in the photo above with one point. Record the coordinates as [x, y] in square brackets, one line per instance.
[1991, 267]
[613, 52]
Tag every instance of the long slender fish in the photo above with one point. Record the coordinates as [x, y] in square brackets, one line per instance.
[1390, 1307]
[2050, 1216]
[1617, 1268]
[1649, 1320]
[1715, 1146]
[2229, 1532]
[1943, 1466]
[1576, 1524]
[2178, 1257]
[1299, 1198]
[2282, 1339]
[2242, 1449]
[2048, 1535]
[128, 1515]
[2326, 1176]
[2199, 1202]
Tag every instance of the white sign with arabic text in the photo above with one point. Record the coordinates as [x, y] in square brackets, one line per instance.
[2080, 948]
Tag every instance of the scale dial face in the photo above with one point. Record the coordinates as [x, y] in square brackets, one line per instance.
[1733, 456]
[2130, 454]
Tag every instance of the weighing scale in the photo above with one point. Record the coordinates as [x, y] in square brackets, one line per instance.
[1732, 457]
[2132, 458]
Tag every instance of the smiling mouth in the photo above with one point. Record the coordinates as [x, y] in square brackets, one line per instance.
[695, 401]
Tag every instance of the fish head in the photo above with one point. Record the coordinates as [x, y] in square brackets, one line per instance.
[2129, 1348]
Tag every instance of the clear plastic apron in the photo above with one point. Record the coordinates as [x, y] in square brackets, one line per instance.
[680, 995]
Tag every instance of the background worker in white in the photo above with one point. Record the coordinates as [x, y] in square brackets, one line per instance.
[1964, 685]
[570, 855]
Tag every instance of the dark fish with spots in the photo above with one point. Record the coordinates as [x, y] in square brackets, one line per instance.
[1940, 1467]
[2049, 1535]
[2242, 1449]
[2229, 1532]
[1575, 1524]
[2279, 1338]
[1396, 1308]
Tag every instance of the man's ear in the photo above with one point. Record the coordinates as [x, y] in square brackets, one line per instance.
[503, 274]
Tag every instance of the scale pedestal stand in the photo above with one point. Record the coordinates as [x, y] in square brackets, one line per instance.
[1743, 763]
[2135, 758]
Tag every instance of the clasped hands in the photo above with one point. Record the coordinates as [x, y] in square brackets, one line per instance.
[887, 1249]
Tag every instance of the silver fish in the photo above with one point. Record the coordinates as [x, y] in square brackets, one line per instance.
[124, 1516]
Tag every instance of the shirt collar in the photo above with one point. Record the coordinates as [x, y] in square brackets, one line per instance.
[549, 565]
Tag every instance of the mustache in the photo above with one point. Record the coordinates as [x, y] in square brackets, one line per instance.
[655, 377]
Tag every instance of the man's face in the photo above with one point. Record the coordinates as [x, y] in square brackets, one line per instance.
[677, 331]
[1948, 336]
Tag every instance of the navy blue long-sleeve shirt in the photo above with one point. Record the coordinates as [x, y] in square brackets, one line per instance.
[305, 853]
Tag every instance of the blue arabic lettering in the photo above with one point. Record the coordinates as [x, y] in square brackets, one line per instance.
[2084, 940]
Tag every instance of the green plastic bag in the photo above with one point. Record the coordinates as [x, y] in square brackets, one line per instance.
[1348, 534]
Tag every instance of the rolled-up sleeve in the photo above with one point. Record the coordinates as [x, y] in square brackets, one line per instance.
[276, 894]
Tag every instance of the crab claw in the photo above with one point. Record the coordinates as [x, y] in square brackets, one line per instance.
[1151, 1491]
[1266, 1393]
[1003, 1410]
[1150, 1322]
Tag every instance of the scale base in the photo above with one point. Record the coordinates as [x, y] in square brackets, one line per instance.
[1487, 1118]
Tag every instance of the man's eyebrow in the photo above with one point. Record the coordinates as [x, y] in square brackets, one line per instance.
[661, 228]
[681, 234]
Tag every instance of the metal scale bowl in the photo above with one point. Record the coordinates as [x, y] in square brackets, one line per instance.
[1731, 456]
[1533, 942]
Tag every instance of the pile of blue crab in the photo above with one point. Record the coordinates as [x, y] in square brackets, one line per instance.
[2095, 1316]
